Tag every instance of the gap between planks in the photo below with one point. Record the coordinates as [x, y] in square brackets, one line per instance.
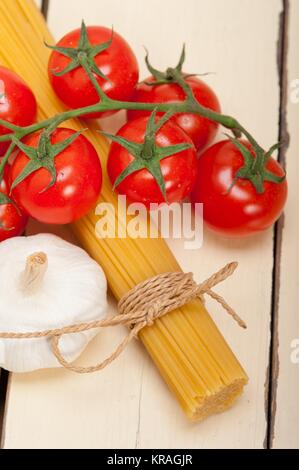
[45, 7]
[284, 138]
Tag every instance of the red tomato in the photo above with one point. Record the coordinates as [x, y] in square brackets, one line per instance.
[118, 63]
[77, 187]
[200, 130]
[179, 170]
[12, 221]
[240, 211]
[17, 103]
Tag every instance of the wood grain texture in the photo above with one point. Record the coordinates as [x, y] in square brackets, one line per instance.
[286, 426]
[128, 405]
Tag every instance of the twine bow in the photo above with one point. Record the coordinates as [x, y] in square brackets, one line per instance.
[140, 307]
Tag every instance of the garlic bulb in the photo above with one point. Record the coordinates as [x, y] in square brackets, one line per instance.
[46, 283]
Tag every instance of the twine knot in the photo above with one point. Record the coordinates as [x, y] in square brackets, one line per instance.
[141, 307]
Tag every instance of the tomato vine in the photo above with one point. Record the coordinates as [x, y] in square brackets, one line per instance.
[253, 169]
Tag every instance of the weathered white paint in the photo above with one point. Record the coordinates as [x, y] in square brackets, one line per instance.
[286, 430]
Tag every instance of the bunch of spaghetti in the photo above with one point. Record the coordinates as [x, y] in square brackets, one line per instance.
[186, 346]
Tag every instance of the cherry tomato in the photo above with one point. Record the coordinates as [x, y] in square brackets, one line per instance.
[240, 211]
[179, 170]
[17, 103]
[200, 130]
[77, 186]
[12, 220]
[118, 63]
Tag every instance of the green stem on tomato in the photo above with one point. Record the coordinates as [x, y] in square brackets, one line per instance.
[8, 125]
[190, 105]
[83, 61]
[114, 105]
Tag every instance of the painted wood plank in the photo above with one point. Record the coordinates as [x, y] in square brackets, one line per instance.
[39, 3]
[121, 406]
[286, 430]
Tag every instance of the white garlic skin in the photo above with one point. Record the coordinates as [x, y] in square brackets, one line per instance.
[73, 290]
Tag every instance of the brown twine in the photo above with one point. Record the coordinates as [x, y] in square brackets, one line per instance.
[140, 307]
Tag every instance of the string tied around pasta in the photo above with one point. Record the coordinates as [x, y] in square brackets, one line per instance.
[138, 308]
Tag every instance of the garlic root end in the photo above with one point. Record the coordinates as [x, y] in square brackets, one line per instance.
[36, 267]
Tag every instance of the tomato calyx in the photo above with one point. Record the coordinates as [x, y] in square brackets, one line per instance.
[172, 74]
[148, 154]
[254, 168]
[83, 55]
[42, 156]
[167, 76]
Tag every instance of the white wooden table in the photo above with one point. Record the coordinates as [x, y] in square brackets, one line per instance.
[128, 405]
